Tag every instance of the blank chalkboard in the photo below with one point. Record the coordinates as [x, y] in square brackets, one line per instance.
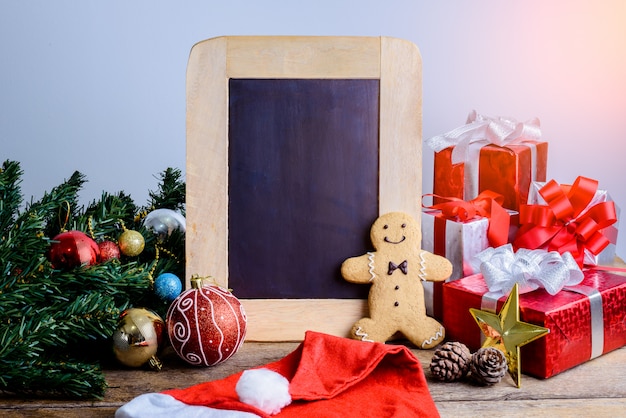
[295, 145]
[303, 184]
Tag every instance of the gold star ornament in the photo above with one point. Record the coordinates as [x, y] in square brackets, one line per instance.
[507, 333]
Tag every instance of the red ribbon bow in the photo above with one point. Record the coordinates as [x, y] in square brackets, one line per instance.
[487, 204]
[566, 223]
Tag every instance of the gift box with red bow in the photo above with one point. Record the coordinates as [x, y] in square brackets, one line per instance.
[497, 154]
[578, 218]
[585, 312]
[458, 230]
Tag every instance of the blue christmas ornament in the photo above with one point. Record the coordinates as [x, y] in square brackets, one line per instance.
[168, 286]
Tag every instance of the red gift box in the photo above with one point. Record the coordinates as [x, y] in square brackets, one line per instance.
[495, 154]
[507, 170]
[582, 325]
[448, 178]
[510, 170]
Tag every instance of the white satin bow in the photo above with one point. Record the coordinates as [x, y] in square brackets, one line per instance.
[531, 269]
[486, 130]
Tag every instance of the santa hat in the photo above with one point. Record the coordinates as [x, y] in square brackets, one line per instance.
[325, 376]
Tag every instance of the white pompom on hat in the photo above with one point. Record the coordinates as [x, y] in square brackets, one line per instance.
[264, 389]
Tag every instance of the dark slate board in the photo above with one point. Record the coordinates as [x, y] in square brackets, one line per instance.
[303, 184]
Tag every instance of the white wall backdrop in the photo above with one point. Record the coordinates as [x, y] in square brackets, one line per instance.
[99, 86]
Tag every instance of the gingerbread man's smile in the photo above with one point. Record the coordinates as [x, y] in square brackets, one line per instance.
[395, 242]
[386, 239]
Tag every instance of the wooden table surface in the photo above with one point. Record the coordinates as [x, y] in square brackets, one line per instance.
[594, 389]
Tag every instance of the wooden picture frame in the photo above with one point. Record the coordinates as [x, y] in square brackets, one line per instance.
[212, 63]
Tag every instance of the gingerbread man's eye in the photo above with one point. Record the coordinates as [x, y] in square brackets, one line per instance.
[386, 226]
[403, 226]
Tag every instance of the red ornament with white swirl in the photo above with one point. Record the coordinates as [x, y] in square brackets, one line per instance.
[206, 324]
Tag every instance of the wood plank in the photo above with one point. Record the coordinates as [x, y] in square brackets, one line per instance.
[207, 162]
[502, 407]
[596, 388]
[400, 128]
[599, 378]
[303, 57]
[296, 316]
[566, 408]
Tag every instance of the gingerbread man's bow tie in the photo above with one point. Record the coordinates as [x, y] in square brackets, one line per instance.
[402, 266]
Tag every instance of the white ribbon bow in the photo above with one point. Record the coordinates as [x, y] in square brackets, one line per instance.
[485, 130]
[531, 269]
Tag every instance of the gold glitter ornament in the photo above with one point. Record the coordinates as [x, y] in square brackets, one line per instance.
[137, 338]
[507, 333]
[131, 243]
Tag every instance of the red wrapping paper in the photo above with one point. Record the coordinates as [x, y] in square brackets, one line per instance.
[567, 315]
[508, 171]
[505, 170]
[448, 178]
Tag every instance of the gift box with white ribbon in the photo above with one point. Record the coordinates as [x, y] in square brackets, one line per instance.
[586, 317]
[489, 153]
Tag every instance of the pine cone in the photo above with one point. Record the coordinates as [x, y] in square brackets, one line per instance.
[451, 361]
[488, 366]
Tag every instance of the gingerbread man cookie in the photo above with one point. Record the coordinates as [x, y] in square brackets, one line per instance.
[395, 271]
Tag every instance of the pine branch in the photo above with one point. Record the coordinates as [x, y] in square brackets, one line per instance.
[24, 243]
[48, 316]
[33, 331]
[105, 217]
[10, 194]
[68, 379]
[59, 206]
[171, 193]
[56, 319]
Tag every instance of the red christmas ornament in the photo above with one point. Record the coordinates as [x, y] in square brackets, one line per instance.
[108, 251]
[206, 324]
[72, 249]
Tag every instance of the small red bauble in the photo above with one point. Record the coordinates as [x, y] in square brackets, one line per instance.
[108, 251]
[206, 324]
[72, 249]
